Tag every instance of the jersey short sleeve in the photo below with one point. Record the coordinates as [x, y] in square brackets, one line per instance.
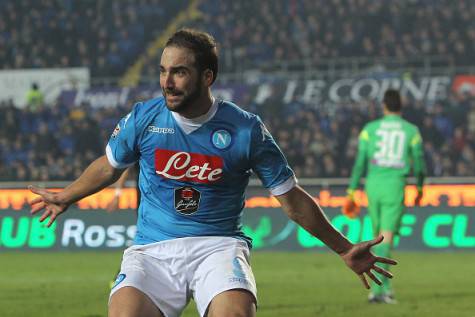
[268, 161]
[121, 150]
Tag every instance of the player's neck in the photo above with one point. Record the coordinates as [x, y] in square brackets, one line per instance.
[391, 113]
[200, 107]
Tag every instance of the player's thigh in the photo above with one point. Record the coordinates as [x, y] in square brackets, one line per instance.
[374, 211]
[232, 303]
[392, 213]
[161, 278]
[131, 302]
[224, 273]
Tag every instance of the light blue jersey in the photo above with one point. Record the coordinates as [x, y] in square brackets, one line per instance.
[193, 172]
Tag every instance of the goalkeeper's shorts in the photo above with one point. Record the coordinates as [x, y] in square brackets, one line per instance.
[171, 272]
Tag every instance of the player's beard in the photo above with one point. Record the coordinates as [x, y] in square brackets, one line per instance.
[187, 101]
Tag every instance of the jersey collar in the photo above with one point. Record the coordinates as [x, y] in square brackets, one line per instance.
[190, 125]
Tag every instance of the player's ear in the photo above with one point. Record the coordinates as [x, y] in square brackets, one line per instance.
[208, 77]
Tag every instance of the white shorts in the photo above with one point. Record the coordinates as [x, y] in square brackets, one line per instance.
[171, 272]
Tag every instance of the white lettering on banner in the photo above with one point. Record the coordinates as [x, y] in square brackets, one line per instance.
[318, 91]
[437, 88]
[335, 87]
[94, 236]
[179, 163]
[356, 91]
[427, 88]
[410, 88]
[116, 234]
[313, 91]
[77, 234]
[99, 99]
[289, 92]
[72, 229]
[264, 92]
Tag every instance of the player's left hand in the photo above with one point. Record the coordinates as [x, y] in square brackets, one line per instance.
[49, 201]
[350, 208]
[362, 261]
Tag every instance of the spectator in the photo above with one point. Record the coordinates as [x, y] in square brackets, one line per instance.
[34, 98]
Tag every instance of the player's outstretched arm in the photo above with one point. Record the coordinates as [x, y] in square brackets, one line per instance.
[305, 211]
[98, 174]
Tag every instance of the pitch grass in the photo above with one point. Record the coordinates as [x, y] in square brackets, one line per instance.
[289, 284]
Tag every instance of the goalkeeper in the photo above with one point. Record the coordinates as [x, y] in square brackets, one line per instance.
[386, 148]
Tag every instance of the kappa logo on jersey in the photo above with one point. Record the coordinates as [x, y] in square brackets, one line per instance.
[221, 139]
[188, 167]
[187, 200]
[154, 129]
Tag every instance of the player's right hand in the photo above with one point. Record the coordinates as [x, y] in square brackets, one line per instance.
[49, 201]
[362, 261]
[350, 208]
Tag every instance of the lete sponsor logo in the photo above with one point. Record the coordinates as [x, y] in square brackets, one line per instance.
[188, 167]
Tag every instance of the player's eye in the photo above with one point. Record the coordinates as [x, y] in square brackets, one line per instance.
[181, 72]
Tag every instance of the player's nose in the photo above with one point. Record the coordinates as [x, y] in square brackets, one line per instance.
[168, 81]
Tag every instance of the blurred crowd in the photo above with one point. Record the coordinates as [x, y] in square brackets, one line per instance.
[108, 35]
[56, 142]
[52, 142]
[268, 34]
[258, 32]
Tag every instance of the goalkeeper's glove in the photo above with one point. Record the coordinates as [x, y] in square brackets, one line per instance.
[350, 209]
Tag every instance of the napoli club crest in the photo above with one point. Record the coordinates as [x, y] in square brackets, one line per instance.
[187, 200]
[221, 139]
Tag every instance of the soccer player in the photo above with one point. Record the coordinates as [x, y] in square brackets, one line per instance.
[386, 148]
[196, 154]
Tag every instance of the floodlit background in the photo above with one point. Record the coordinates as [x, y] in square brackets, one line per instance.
[314, 70]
